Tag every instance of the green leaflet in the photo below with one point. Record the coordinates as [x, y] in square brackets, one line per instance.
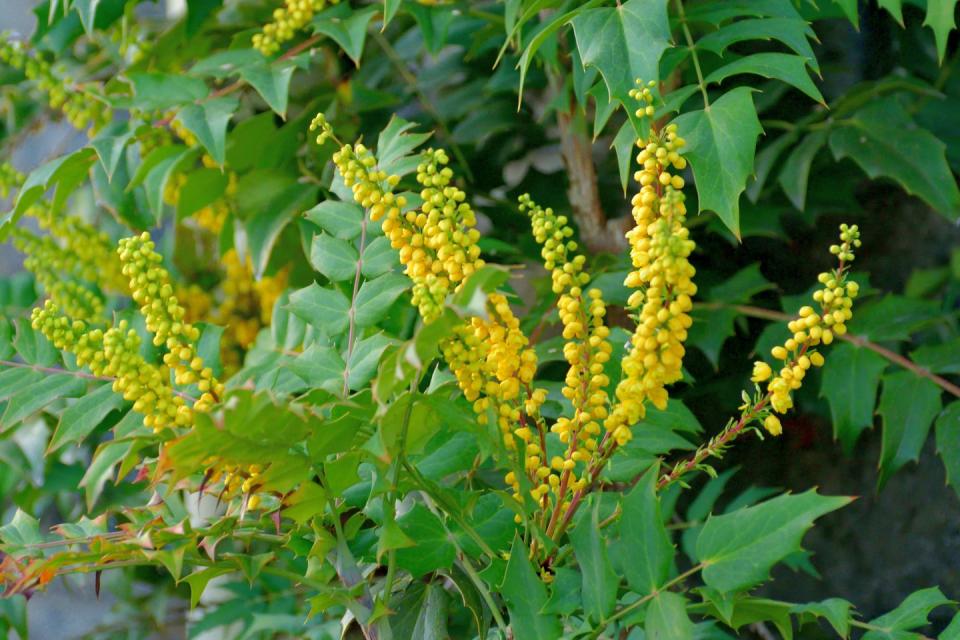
[782, 66]
[911, 613]
[721, 143]
[738, 549]
[884, 141]
[795, 174]
[600, 583]
[526, 598]
[851, 377]
[624, 42]
[908, 405]
[82, 417]
[334, 258]
[667, 618]
[940, 18]
[948, 442]
[644, 551]
[208, 121]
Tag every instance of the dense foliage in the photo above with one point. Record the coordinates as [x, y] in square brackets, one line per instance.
[430, 319]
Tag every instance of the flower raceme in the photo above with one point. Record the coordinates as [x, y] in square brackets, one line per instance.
[293, 16]
[72, 261]
[492, 358]
[586, 350]
[116, 353]
[662, 277]
[151, 288]
[81, 106]
[810, 330]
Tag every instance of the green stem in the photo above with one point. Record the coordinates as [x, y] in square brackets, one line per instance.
[389, 513]
[425, 102]
[693, 52]
[468, 568]
[352, 313]
[447, 509]
[633, 606]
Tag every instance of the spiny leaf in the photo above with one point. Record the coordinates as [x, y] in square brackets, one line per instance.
[940, 18]
[911, 613]
[208, 121]
[324, 308]
[782, 66]
[792, 32]
[884, 141]
[376, 296]
[645, 547]
[165, 90]
[272, 82]
[624, 42]
[851, 377]
[721, 142]
[739, 548]
[835, 610]
[667, 618]
[600, 583]
[526, 598]
[349, 32]
[38, 395]
[336, 259]
[908, 405]
[83, 416]
[796, 169]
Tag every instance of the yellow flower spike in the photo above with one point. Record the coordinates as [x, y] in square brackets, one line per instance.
[82, 107]
[293, 16]
[835, 300]
[151, 288]
[116, 353]
[582, 315]
[662, 277]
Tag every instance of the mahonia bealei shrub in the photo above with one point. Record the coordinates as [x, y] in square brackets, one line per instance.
[810, 330]
[293, 16]
[82, 107]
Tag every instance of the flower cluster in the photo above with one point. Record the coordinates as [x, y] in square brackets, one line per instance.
[448, 225]
[87, 252]
[287, 20]
[10, 179]
[373, 190]
[81, 106]
[116, 353]
[494, 365]
[810, 330]
[586, 347]
[247, 306]
[70, 262]
[151, 288]
[53, 268]
[660, 246]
